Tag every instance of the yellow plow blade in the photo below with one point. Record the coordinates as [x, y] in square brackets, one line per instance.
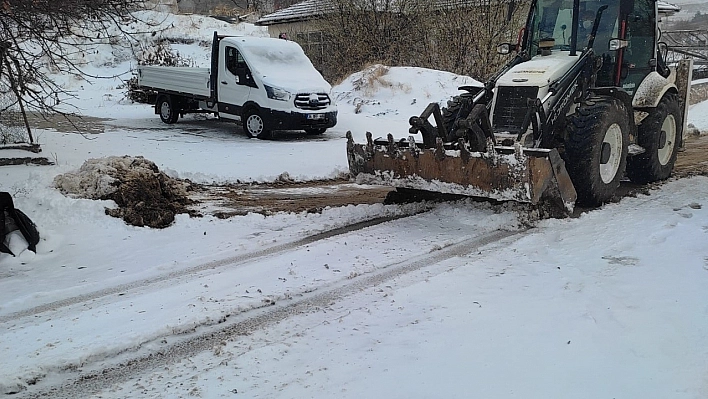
[501, 173]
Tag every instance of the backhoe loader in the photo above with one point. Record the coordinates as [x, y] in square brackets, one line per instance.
[578, 107]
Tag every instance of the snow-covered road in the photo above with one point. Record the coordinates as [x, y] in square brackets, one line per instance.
[611, 304]
[608, 305]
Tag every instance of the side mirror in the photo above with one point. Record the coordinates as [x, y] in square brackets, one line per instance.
[616, 44]
[505, 48]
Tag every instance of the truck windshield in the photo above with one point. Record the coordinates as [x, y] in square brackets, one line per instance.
[278, 59]
[553, 20]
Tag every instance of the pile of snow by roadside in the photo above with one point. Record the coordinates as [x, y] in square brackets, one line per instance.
[397, 92]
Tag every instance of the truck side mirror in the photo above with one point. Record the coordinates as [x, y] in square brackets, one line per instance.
[505, 48]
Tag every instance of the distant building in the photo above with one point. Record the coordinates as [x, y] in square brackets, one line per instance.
[163, 5]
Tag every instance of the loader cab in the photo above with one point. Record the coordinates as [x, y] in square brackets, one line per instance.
[562, 26]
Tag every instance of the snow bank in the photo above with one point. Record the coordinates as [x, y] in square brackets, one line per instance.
[381, 90]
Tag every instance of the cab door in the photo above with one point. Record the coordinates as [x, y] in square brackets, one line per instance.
[235, 81]
[639, 58]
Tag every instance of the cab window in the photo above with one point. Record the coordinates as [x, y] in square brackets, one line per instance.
[236, 64]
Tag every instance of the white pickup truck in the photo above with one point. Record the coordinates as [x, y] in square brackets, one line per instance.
[267, 84]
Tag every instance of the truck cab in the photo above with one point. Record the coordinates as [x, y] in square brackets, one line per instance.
[267, 84]
[270, 84]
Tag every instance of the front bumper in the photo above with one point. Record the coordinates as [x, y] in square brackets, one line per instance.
[283, 120]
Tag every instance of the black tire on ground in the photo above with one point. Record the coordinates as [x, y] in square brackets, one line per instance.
[254, 126]
[660, 135]
[166, 109]
[596, 149]
[315, 131]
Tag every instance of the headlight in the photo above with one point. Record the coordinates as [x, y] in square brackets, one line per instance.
[277, 93]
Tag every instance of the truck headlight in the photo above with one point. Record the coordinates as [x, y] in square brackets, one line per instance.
[277, 93]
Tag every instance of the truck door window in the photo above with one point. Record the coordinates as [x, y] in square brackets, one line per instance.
[236, 64]
[232, 60]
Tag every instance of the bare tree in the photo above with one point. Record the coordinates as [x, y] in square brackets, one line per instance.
[459, 36]
[39, 37]
[463, 36]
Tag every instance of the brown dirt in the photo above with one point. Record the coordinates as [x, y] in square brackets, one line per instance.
[67, 123]
[693, 160]
[311, 196]
[147, 199]
[145, 196]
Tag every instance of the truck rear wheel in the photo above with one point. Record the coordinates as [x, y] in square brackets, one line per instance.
[254, 125]
[660, 135]
[166, 109]
[596, 149]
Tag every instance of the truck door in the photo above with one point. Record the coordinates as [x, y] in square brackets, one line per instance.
[235, 81]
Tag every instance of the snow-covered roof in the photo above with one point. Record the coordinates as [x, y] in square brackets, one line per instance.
[667, 8]
[301, 11]
[310, 9]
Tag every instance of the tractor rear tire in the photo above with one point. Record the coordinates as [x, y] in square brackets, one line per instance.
[660, 135]
[596, 149]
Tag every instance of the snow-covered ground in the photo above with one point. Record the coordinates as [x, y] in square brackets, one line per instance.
[611, 304]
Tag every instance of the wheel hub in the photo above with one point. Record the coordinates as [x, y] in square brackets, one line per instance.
[667, 140]
[165, 110]
[611, 153]
[605, 153]
[254, 125]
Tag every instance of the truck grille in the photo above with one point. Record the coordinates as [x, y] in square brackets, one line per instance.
[312, 101]
[511, 106]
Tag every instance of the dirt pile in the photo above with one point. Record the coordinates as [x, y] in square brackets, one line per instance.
[145, 196]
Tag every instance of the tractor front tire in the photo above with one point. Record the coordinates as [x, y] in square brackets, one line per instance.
[660, 135]
[596, 149]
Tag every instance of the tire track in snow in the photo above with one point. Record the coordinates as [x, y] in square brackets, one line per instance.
[213, 265]
[139, 360]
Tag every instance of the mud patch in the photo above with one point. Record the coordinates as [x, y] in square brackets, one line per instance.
[228, 200]
[145, 196]
[67, 123]
[693, 160]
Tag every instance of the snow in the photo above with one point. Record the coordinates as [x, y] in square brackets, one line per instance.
[283, 64]
[610, 304]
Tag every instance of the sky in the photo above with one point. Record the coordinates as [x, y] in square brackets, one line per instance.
[456, 299]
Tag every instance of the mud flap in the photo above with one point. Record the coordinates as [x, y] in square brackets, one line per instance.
[500, 173]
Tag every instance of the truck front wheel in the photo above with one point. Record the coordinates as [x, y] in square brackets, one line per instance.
[167, 111]
[254, 125]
